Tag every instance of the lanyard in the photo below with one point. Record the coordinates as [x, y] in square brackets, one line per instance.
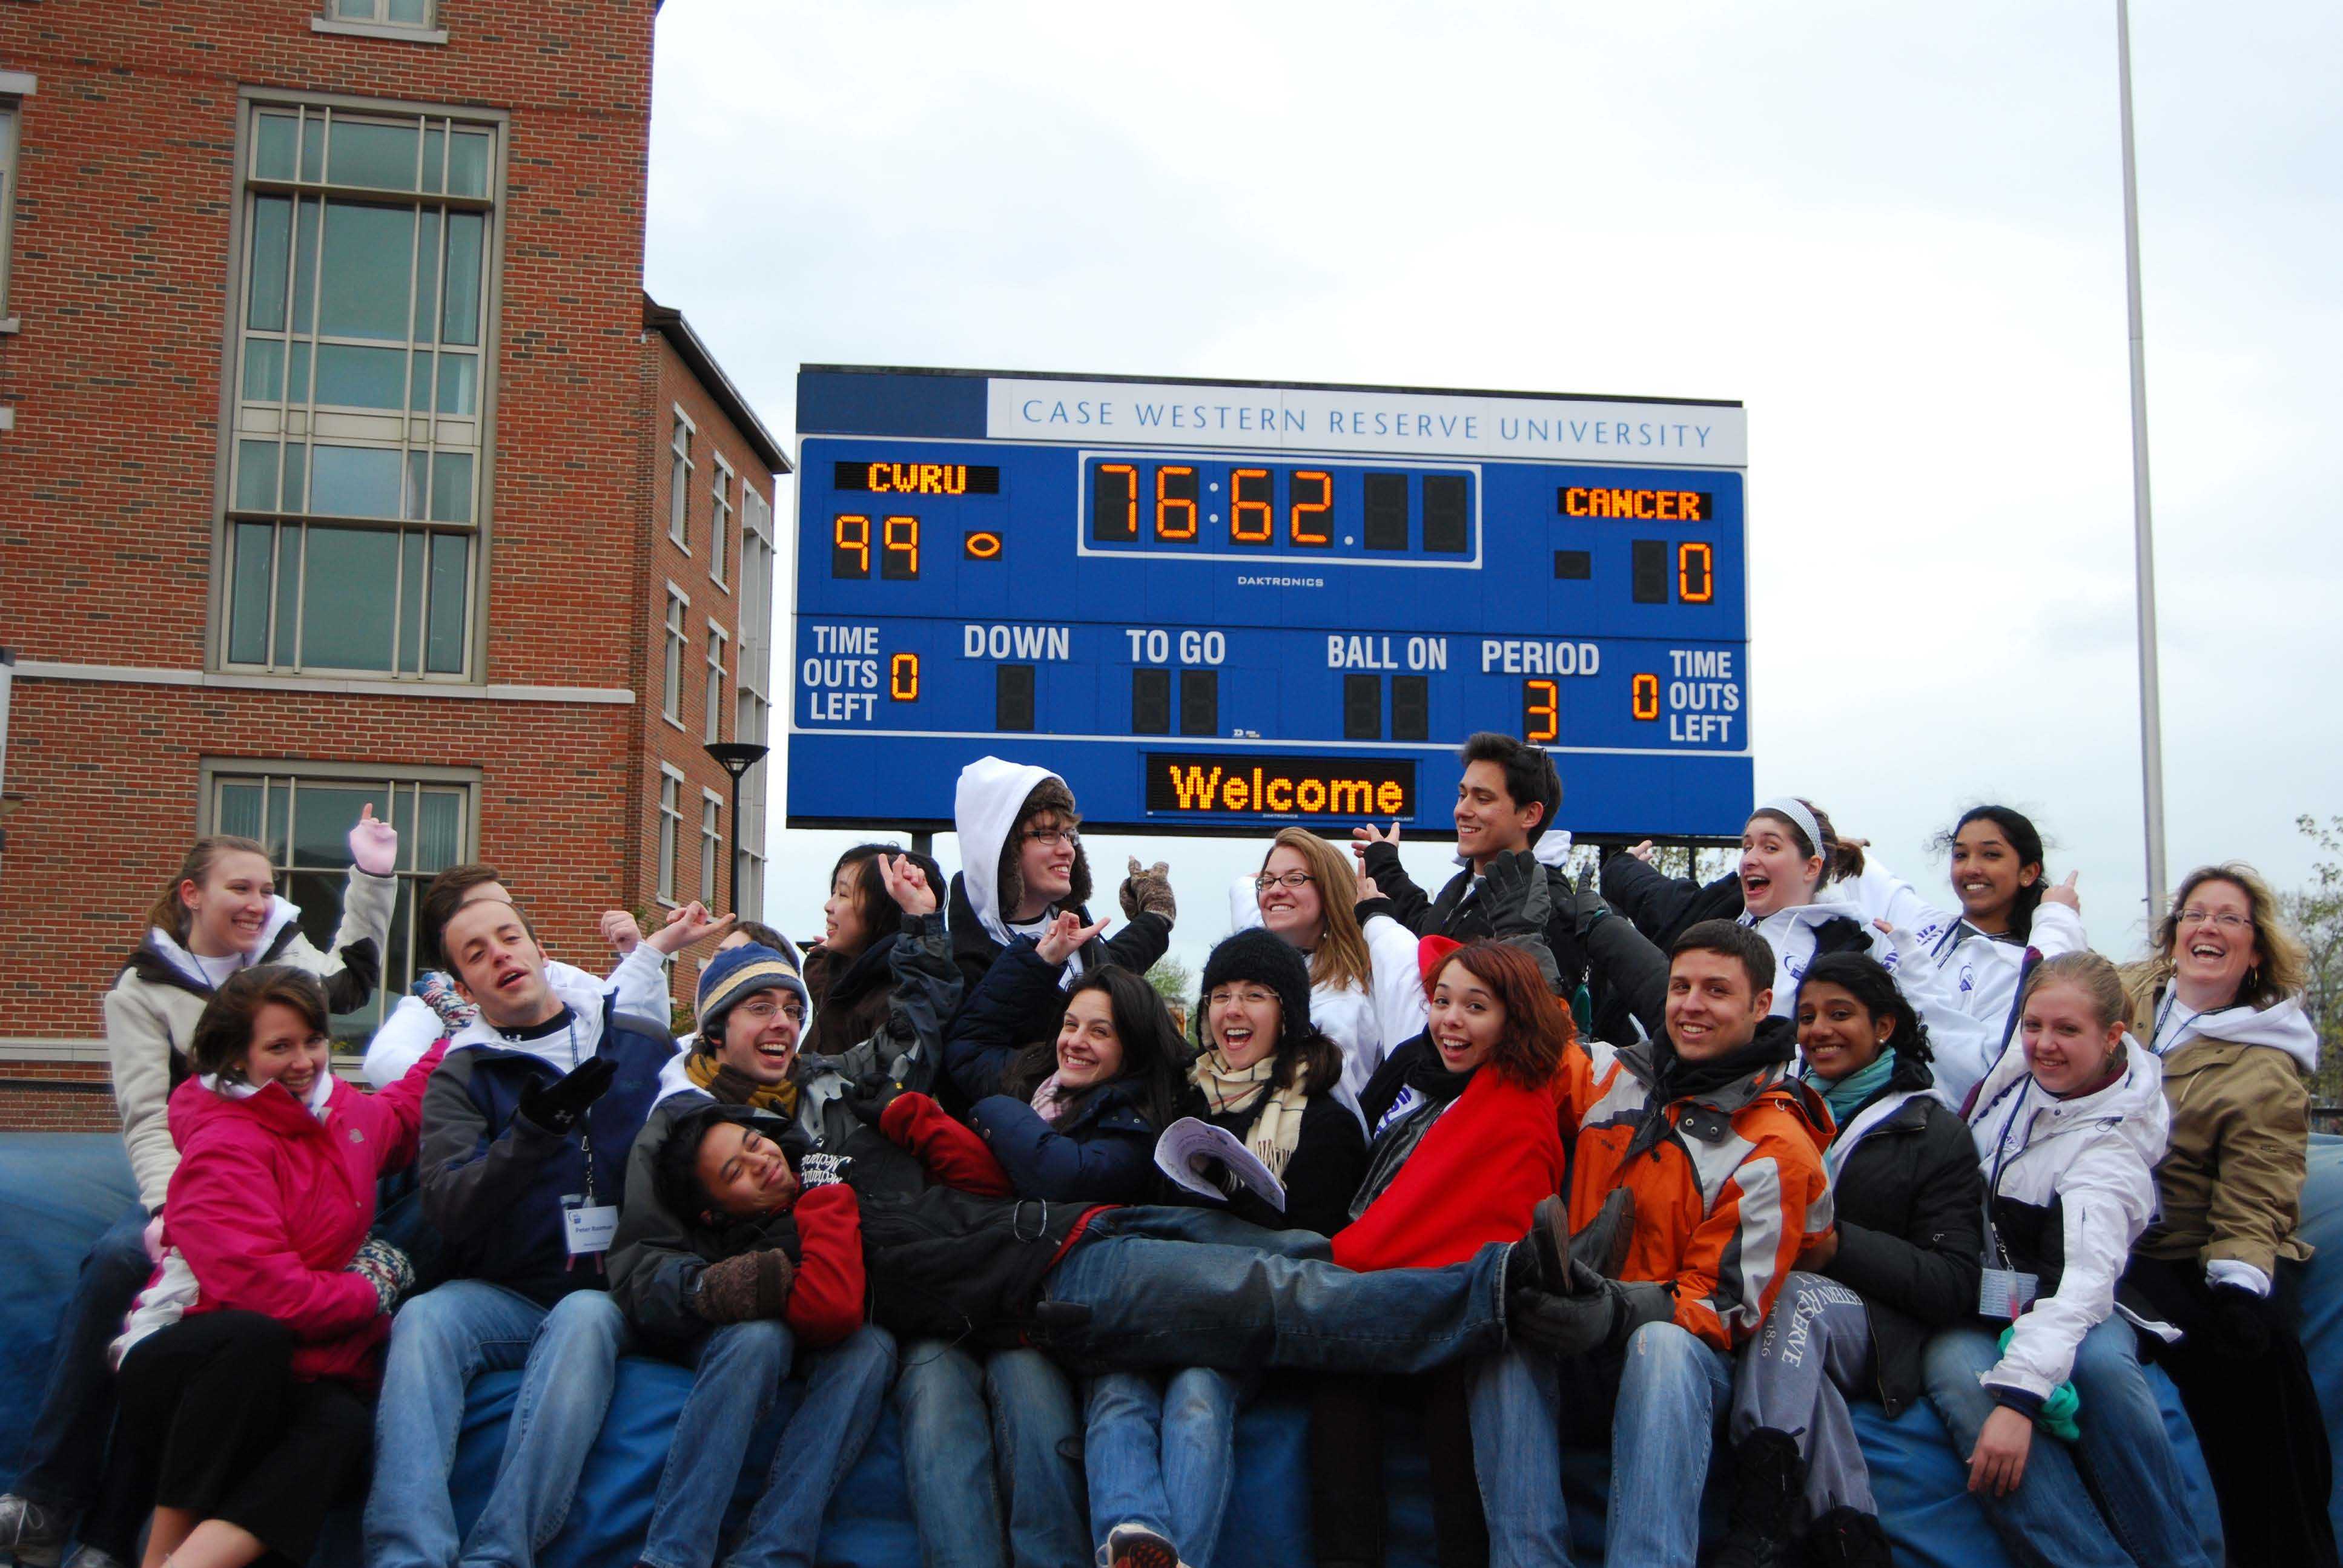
[2000, 1155]
[2163, 1012]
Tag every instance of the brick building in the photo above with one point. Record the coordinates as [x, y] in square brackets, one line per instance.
[343, 458]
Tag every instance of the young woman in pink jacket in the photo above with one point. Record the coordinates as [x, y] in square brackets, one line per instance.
[245, 1376]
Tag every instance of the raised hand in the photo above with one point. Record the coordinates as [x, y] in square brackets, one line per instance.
[1064, 936]
[2064, 893]
[619, 930]
[690, 924]
[906, 885]
[1362, 837]
[374, 844]
[1643, 852]
[1367, 890]
[1148, 890]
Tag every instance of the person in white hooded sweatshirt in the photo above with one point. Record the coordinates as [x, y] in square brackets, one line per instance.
[2068, 1131]
[2219, 1002]
[1806, 891]
[218, 915]
[1022, 864]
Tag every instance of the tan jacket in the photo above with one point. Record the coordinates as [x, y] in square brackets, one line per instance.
[2231, 1185]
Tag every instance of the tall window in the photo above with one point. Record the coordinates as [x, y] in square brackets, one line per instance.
[715, 682]
[355, 501]
[304, 820]
[679, 483]
[8, 110]
[670, 829]
[671, 692]
[752, 707]
[712, 845]
[719, 525]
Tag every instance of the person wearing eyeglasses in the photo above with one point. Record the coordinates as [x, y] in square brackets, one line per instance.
[1159, 1446]
[2219, 1000]
[1023, 866]
[1365, 994]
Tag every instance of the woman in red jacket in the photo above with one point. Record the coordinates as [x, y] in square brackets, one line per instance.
[1465, 1143]
[245, 1374]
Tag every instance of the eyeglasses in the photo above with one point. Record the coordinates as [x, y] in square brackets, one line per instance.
[2224, 920]
[763, 1009]
[1054, 837]
[1269, 879]
[1252, 996]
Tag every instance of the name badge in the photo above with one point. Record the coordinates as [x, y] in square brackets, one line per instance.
[2003, 1293]
[591, 1229]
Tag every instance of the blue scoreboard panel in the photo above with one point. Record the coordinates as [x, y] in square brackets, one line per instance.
[1223, 607]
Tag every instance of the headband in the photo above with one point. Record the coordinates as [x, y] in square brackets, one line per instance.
[1794, 811]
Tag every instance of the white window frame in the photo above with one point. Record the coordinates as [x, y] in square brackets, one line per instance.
[671, 831]
[678, 632]
[271, 774]
[711, 844]
[720, 519]
[679, 483]
[752, 701]
[11, 117]
[718, 642]
[334, 13]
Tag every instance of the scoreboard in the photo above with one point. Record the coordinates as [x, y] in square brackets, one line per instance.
[1222, 607]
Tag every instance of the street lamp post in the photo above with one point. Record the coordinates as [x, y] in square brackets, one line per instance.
[2151, 717]
[735, 757]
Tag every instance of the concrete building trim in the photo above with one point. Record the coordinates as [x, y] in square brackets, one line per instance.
[139, 675]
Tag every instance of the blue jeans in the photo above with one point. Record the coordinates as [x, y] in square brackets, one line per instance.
[64, 1453]
[1160, 1452]
[984, 1427]
[439, 1342]
[2051, 1518]
[740, 1367]
[1173, 1288]
[1664, 1396]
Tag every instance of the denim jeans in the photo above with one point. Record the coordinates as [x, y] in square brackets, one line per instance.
[1173, 1288]
[1663, 1398]
[740, 1367]
[1159, 1452]
[982, 1429]
[64, 1453]
[2051, 1518]
[439, 1342]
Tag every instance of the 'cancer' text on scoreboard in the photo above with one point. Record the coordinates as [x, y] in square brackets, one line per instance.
[1224, 607]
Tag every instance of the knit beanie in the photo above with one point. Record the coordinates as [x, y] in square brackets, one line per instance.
[1254, 954]
[735, 973]
[1048, 795]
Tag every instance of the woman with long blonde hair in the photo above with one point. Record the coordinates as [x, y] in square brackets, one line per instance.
[1366, 992]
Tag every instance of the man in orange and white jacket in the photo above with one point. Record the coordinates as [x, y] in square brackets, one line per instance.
[1718, 1147]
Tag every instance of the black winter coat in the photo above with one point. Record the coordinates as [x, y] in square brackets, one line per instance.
[1328, 1160]
[1136, 947]
[1910, 1200]
[1457, 912]
[1663, 906]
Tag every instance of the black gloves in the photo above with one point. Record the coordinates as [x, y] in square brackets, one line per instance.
[556, 1107]
[868, 1098]
[1514, 893]
[1841, 935]
[1587, 904]
[2241, 1324]
[1598, 1315]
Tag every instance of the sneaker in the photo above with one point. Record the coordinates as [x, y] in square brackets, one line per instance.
[87, 1556]
[31, 1537]
[1137, 1546]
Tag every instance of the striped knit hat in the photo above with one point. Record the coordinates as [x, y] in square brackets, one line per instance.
[735, 973]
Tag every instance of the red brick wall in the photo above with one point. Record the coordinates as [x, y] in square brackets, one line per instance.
[55, 1096]
[120, 276]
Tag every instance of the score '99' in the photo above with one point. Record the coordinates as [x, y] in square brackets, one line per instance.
[852, 538]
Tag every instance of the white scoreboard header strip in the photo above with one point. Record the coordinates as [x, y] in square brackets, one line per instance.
[1417, 424]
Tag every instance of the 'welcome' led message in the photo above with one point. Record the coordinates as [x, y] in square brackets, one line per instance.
[1197, 784]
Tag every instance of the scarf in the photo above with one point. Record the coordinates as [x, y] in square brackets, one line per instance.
[1845, 1096]
[1050, 1101]
[1228, 1090]
[734, 1087]
[1673, 1078]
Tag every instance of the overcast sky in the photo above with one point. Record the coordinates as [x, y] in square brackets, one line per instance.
[1894, 232]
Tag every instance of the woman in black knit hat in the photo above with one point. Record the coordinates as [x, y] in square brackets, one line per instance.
[1159, 1448]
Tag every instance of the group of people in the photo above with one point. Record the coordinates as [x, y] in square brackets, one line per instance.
[1611, 1159]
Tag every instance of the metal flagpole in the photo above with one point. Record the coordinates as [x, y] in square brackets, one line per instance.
[2151, 723]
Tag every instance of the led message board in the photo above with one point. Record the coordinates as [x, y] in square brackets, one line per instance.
[1224, 607]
